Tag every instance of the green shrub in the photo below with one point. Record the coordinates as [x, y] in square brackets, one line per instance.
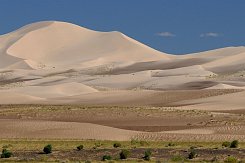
[177, 158]
[226, 144]
[192, 154]
[147, 155]
[117, 145]
[234, 144]
[124, 154]
[80, 147]
[106, 157]
[47, 149]
[134, 142]
[6, 153]
[137, 142]
[231, 159]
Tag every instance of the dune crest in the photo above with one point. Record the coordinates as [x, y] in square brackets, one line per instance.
[59, 43]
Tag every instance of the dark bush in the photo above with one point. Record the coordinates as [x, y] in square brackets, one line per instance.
[192, 154]
[80, 147]
[117, 145]
[6, 153]
[147, 155]
[124, 154]
[226, 144]
[106, 157]
[234, 144]
[47, 149]
[170, 144]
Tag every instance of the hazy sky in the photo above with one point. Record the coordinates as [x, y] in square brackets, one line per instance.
[172, 26]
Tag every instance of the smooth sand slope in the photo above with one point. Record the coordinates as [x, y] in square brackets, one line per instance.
[51, 129]
[55, 44]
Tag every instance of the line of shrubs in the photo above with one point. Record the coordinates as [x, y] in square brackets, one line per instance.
[124, 154]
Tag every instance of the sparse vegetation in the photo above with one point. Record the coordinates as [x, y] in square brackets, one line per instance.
[193, 147]
[87, 161]
[192, 154]
[170, 144]
[143, 143]
[226, 144]
[147, 155]
[65, 150]
[6, 153]
[47, 149]
[80, 147]
[106, 157]
[231, 159]
[234, 144]
[139, 143]
[117, 145]
[97, 145]
[124, 154]
[177, 158]
[214, 159]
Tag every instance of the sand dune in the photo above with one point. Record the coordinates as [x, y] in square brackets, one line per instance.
[50, 44]
[62, 62]
[19, 98]
[223, 102]
[60, 90]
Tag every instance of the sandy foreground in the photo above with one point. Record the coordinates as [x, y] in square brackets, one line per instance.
[119, 123]
[85, 84]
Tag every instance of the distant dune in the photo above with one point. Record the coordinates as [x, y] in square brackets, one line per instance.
[59, 61]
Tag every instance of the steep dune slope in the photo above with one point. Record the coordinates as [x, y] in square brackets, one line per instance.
[7, 40]
[50, 44]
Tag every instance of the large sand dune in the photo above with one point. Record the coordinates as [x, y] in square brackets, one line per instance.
[61, 63]
[57, 53]
[58, 44]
